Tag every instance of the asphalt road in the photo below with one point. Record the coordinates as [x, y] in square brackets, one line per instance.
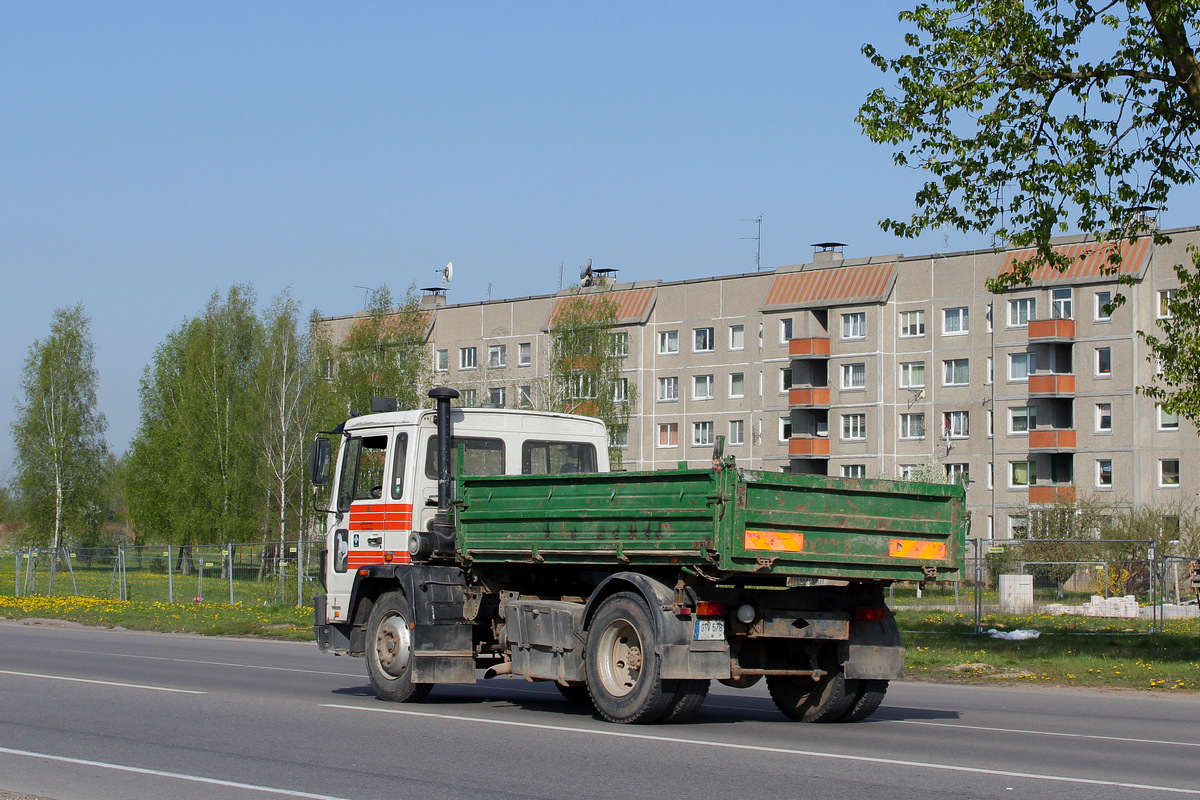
[94, 715]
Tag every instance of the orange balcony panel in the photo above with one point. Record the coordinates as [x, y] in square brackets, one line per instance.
[816, 348]
[1044, 495]
[809, 397]
[1052, 439]
[1051, 384]
[1052, 329]
[808, 446]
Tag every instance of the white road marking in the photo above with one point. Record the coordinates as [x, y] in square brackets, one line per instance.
[896, 762]
[83, 762]
[222, 664]
[1124, 739]
[101, 683]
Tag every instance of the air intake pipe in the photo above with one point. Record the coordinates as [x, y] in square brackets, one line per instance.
[437, 543]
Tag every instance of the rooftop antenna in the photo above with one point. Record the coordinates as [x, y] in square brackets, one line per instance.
[447, 273]
[365, 289]
[585, 274]
[757, 240]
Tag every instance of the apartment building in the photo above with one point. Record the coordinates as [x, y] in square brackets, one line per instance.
[861, 367]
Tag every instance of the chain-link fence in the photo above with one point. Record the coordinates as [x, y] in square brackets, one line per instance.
[259, 574]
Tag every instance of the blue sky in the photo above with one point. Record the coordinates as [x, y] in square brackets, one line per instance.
[153, 153]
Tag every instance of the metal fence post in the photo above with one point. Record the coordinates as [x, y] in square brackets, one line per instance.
[301, 572]
[229, 555]
[170, 578]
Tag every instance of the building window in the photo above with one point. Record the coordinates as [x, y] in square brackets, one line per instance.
[1021, 311]
[1168, 472]
[466, 358]
[1018, 526]
[581, 386]
[702, 433]
[785, 379]
[737, 385]
[702, 340]
[442, 364]
[912, 323]
[619, 436]
[1103, 417]
[668, 434]
[785, 330]
[955, 321]
[854, 470]
[524, 354]
[1104, 476]
[702, 387]
[1020, 365]
[854, 376]
[668, 390]
[524, 397]
[668, 343]
[854, 427]
[1165, 297]
[854, 326]
[1103, 300]
[959, 473]
[990, 371]
[621, 390]
[956, 424]
[469, 398]
[1103, 361]
[912, 426]
[912, 375]
[1022, 473]
[737, 337]
[1167, 420]
[785, 428]
[620, 344]
[1022, 419]
[737, 431]
[957, 372]
[497, 397]
[1060, 304]
[497, 356]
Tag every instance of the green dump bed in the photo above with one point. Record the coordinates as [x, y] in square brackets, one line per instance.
[720, 521]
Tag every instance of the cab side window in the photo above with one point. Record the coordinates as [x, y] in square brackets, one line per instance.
[482, 456]
[362, 473]
[399, 458]
[557, 458]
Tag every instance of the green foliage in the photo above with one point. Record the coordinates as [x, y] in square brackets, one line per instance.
[930, 471]
[1060, 537]
[1037, 117]
[586, 356]
[384, 354]
[1177, 346]
[59, 434]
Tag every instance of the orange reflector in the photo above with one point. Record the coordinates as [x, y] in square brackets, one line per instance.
[387, 556]
[780, 541]
[870, 614]
[706, 609]
[364, 572]
[914, 548]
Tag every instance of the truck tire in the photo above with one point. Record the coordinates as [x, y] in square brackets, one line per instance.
[866, 700]
[689, 696]
[806, 700]
[622, 667]
[390, 649]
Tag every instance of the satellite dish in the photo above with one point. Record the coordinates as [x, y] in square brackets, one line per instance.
[448, 272]
[585, 272]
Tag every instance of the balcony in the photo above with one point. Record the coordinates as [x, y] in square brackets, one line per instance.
[1050, 384]
[1052, 439]
[815, 396]
[808, 446]
[809, 348]
[1049, 494]
[1052, 330]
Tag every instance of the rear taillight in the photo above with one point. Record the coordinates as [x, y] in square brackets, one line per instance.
[870, 614]
[706, 609]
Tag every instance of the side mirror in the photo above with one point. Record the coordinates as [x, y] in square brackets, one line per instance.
[320, 458]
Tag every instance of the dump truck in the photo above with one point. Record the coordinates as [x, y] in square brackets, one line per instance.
[462, 540]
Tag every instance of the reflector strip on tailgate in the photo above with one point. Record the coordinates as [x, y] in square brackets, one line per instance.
[774, 540]
[914, 548]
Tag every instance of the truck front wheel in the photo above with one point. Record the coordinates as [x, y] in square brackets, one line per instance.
[622, 666]
[390, 650]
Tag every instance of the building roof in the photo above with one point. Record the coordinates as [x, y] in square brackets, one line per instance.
[1089, 260]
[633, 305]
[831, 286]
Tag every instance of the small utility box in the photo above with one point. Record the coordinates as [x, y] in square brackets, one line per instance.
[1016, 593]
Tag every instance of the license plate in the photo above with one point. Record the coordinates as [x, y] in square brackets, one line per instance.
[709, 629]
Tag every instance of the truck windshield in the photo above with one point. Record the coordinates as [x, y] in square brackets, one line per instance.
[362, 469]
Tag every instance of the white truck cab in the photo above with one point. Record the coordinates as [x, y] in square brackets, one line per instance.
[385, 485]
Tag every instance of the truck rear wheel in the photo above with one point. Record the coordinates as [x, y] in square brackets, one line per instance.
[390, 650]
[868, 698]
[807, 700]
[622, 667]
